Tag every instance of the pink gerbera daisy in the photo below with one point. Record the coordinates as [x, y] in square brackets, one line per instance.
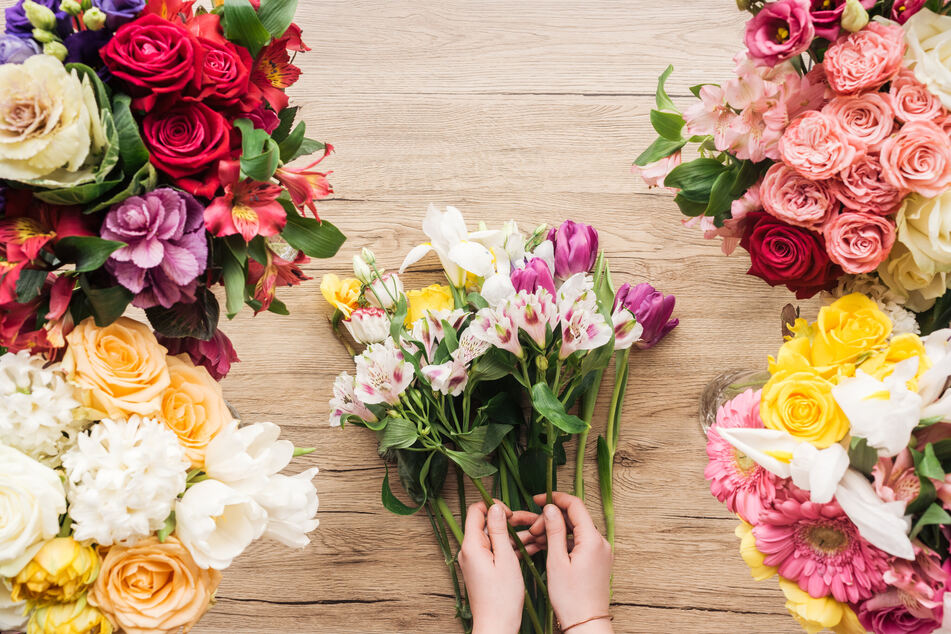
[735, 479]
[819, 547]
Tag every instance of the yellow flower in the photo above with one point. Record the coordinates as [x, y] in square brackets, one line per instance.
[193, 407]
[818, 615]
[61, 571]
[800, 402]
[751, 555]
[852, 326]
[902, 347]
[434, 297]
[68, 618]
[342, 294]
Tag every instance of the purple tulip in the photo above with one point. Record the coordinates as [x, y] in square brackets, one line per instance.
[166, 249]
[535, 275]
[576, 248]
[652, 310]
[15, 50]
[119, 12]
[216, 355]
[18, 24]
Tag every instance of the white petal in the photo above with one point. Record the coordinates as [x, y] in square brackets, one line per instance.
[546, 251]
[497, 289]
[416, 254]
[755, 443]
[453, 226]
[882, 524]
[472, 257]
[819, 471]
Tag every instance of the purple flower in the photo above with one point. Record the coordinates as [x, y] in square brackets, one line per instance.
[903, 10]
[827, 16]
[119, 12]
[535, 275]
[164, 232]
[780, 31]
[17, 23]
[263, 118]
[652, 310]
[216, 355]
[82, 47]
[15, 50]
[576, 248]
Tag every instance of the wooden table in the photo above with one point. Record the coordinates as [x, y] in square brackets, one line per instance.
[527, 110]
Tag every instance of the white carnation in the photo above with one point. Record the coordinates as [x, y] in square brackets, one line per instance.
[38, 412]
[890, 302]
[123, 478]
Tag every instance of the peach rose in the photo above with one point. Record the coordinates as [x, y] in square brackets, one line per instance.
[918, 159]
[797, 200]
[817, 147]
[867, 118]
[153, 587]
[859, 242]
[865, 60]
[121, 368]
[862, 187]
[912, 101]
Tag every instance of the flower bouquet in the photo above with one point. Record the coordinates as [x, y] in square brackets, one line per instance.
[127, 487]
[483, 373]
[839, 469]
[828, 156]
[144, 159]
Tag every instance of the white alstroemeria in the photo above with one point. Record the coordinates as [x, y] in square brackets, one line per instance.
[12, 613]
[362, 270]
[497, 288]
[449, 378]
[382, 374]
[429, 330]
[291, 506]
[883, 412]
[513, 244]
[384, 292]
[931, 384]
[470, 348]
[216, 523]
[345, 401]
[627, 330]
[368, 325]
[818, 470]
[882, 524]
[459, 251]
[245, 457]
[577, 289]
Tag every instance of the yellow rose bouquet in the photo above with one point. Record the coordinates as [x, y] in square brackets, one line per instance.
[128, 486]
[839, 470]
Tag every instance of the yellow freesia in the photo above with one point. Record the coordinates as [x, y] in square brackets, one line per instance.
[434, 297]
[343, 294]
[68, 618]
[61, 571]
[751, 554]
[799, 401]
[847, 329]
[819, 615]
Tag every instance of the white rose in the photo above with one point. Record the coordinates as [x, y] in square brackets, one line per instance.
[32, 498]
[244, 458]
[12, 616]
[928, 35]
[924, 226]
[291, 506]
[216, 523]
[901, 274]
[49, 123]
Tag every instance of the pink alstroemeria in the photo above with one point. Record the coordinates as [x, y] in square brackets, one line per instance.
[533, 313]
[249, 208]
[429, 331]
[448, 378]
[345, 401]
[306, 185]
[627, 330]
[277, 271]
[582, 329]
[498, 329]
[382, 374]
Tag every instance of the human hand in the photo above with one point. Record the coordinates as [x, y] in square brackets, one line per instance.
[490, 567]
[579, 573]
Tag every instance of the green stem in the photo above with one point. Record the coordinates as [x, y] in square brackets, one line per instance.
[533, 614]
[446, 513]
[511, 461]
[462, 609]
[550, 462]
[619, 384]
[461, 490]
[588, 403]
[607, 503]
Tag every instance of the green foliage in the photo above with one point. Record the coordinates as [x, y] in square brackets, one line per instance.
[861, 456]
[399, 433]
[243, 26]
[106, 304]
[260, 154]
[88, 253]
[277, 15]
[316, 238]
[551, 409]
[198, 319]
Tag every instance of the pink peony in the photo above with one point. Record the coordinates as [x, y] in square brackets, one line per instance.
[912, 101]
[817, 147]
[654, 173]
[817, 546]
[859, 242]
[913, 604]
[780, 31]
[799, 201]
[745, 487]
[866, 59]
[918, 159]
[862, 187]
[867, 118]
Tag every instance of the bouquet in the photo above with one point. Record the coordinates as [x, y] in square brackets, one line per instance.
[127, 486]
[144, 159]
[483, 373]
[839, 469]
[828, 156]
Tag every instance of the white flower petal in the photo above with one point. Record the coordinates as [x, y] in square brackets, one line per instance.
[472, 257]
[818, 471]
[883, 525]
[761, 446]
[415, 254]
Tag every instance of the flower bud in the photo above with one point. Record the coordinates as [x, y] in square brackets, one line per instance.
[94, 19]
[385, 291]
[362, 270]
[854, 16]
[576, 248]
[43, 37]
[86, 5]
[368, 256]
[534, 275]
[743, 5]
[542, 362]
[71, 7]
[39, 16]
[652, 310]
[368, 325]
[56, 49]
[60, 572]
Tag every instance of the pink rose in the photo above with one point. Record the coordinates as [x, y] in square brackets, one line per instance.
[866, 59]
[817, 147]
[862, 187]
[781, 30]
[918, 159]
[912, 101]
[654, 173]
[867, 118]
[859, 242]
[797, 200]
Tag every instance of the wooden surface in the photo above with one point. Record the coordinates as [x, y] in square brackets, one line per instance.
[534, 111]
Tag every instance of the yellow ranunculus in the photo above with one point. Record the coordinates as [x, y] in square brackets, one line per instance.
[61, 571]
[818, 615]
[852, 326]
[751, 554]
[800, 402]
[342, 294]
[68, 618]
[434, 297]
[901, 347]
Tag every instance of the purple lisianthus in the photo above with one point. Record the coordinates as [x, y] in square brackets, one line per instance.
[780, 31]
[533, 276]
[576, 248]
[15, 50]
[82, 47]
[119, 12]
[902, 10]
[216, 355]
[652, 310]
[827, 16]
[17, 23]
[166, 250]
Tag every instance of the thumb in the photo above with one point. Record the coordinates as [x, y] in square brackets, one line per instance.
[557, 535]
[499, 535]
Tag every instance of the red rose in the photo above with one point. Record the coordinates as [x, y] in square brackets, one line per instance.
[225, 69]
[154, 56]
[783, 254]
[186, 139]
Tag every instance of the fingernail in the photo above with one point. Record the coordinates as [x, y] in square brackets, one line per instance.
[495, 511]
[551, 511]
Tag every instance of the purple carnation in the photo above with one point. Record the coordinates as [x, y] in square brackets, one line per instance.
[166, 250]
[15, 50]
[119, 12]
[17, 24]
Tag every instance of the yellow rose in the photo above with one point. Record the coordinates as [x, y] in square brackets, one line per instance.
[850, 327]
[900, 348]
[153, 587]
[61, 571]
[193, 407]
[121, 368]
[800, 402]
[434, 297]
[342, 294]
[751, 554]
[68, 618]
[819, 615]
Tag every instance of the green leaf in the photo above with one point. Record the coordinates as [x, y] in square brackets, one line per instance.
[721, 197]
[660, 148]
[931, 420]
[29, 284]
[689, 207]
[696, 178]
[421, 474]
[316, 238]
[861, 456]
[167, 529]
[198, 319]
[142, 181]
[933, 515]
[278, 307]
[286, 116]
[88, 253]
[399, 433]
[929, 466]
[474, 465]
[277, 15]
[550, 408]
[449, 337]
[695, 90]
[260, 154]
[399, 316]
[669, 125]
[502, 409]
[491, 366]
[78, 195]
[663, 101]
[477, 300]
[390, 501]
[243, 26]
[257, 249]
[926, 495]
[106, 304]
[132, 150]
[482, 440]
[290, 145]
[532, 469]
[234, 276]
[308, 147]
